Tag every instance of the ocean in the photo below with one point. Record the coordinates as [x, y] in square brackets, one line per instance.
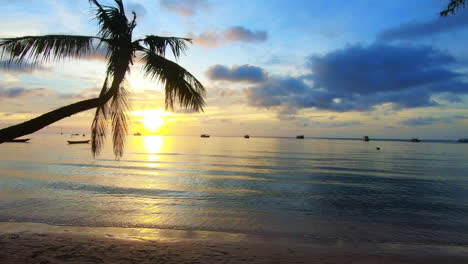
[308, 189]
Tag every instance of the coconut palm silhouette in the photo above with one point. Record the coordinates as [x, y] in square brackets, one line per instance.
[115, 39]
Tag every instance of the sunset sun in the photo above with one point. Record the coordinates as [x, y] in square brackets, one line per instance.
[152, 120]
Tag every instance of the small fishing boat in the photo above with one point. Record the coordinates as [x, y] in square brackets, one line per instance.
[78, 141]
[18, 140]
[463, 140]
[365, 138]
[137, 134]
[246, 136]
[204, 135]
[415, 140]
[300, 137]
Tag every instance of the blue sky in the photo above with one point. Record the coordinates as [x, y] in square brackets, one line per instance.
[391, 69]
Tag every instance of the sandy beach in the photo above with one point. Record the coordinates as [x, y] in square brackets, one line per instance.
[40, 243]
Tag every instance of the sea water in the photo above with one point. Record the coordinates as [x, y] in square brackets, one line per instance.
[322, 189]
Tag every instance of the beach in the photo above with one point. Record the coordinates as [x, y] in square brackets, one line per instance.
[40, 243]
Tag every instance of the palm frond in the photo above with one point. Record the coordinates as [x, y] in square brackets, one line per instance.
[453, 6]
[179, 84]
[99, 126]
[38, 49]
[112, 20]
[119, 107]
[159, 45]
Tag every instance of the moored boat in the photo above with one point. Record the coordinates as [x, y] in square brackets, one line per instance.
[365, 138]
[300, 137]
[415, 140]
[78, 141]
[18, 140]
[463, 140]
[246, 136]
[204, 135]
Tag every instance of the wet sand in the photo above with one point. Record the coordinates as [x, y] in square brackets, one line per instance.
[39, 243]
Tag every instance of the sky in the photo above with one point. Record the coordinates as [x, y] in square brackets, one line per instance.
[323, 68]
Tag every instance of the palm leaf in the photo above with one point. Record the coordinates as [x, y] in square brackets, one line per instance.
[159, 45]
[38, 49]
[99, 126]
[178, 83]
[119, 107]
[453, 6]
[112, 20]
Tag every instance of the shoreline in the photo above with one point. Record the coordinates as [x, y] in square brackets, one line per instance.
[43, 243]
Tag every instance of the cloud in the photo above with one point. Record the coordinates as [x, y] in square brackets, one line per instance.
[416, 30]
[242, 34]
[426, 121]
[20, 67]
[343, 124]
[185, 7]
[228, 36]
[246, 73]
[21, 92]
[359, 78]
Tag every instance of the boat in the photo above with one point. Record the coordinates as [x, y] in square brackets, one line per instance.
[75, 134]
[415, 140]
[78, 141]
[463, 140]
[18, 140]
[365, 138]
[137, 134]
[300, 137]
[246, 136]
[204, 135]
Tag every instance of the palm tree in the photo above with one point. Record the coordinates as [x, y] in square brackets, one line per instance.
[115, 38]
[452, 7]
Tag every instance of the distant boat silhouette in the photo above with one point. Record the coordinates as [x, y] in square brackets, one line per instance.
[137, 134]
[415, 140]
[75, 134]
[365, 138]
[246, 136]
[18, 140]
[78, 141]
[463, 140]
[300, 137]
[204, 135]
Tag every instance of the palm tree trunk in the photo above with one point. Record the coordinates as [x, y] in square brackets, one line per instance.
[44, 120]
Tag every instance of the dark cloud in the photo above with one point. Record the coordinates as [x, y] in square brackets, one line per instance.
[426, 121]
[359, 78]
[246, 73]
[185, 7]
[230, 35]
[416, 30]
[21, 92]
[380, 68]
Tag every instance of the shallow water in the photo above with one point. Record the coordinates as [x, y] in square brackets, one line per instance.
[312, 188]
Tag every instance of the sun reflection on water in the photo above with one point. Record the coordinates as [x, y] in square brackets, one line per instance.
[153, 144]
